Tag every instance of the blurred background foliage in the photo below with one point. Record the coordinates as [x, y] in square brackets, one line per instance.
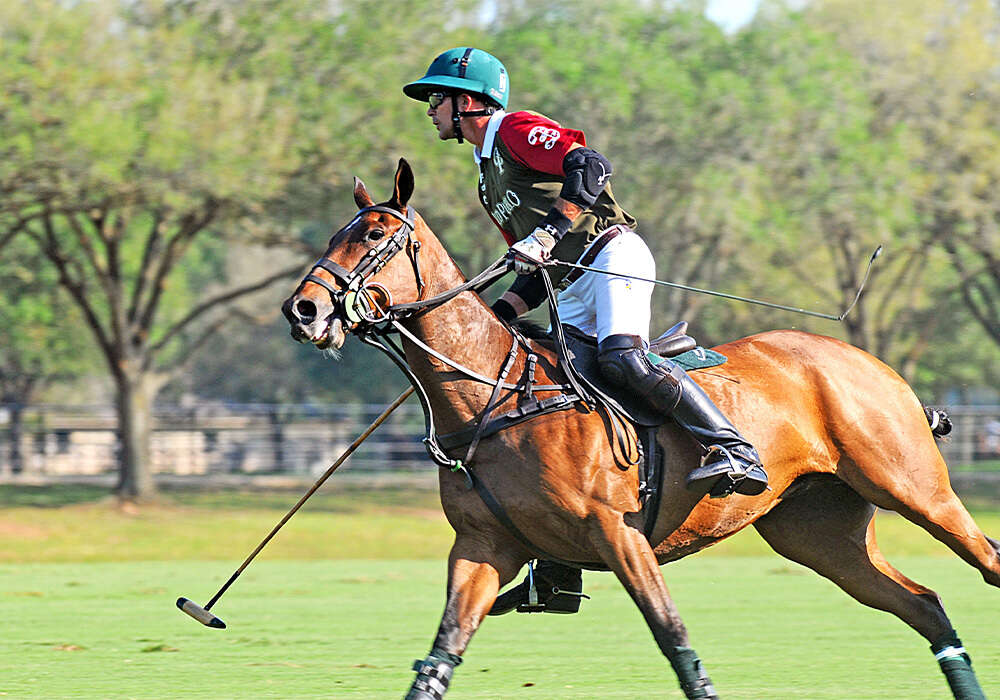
[169, 167]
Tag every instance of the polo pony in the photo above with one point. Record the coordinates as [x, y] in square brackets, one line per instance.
[840, 433]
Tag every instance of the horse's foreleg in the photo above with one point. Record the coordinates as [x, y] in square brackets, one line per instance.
[628, 554]
[475, 574]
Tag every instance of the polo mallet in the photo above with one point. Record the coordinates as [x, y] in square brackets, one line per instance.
[203, 614]
[839, 317]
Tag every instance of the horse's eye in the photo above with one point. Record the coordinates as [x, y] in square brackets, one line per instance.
[375, 234]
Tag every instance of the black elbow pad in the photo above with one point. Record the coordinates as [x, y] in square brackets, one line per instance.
[587, 173]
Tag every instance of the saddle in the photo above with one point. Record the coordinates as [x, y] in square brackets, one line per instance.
[674, 344]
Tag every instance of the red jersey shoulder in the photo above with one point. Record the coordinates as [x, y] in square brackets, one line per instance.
[537, 141]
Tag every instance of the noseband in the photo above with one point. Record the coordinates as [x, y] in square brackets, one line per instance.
[354, 296]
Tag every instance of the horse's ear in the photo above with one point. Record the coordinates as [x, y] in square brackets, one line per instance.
[404, 184]
[361, 196]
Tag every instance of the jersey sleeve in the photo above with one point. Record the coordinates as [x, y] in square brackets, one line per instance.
[538, 142]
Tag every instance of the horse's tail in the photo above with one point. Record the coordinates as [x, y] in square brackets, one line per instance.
[938, 420]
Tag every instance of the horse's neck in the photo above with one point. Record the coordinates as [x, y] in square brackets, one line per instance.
[465, 331]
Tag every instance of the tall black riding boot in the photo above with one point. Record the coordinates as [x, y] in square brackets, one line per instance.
[730, 464]
[549, 587]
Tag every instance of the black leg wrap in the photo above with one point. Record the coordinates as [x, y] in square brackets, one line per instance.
[691, 673]
[433, 675]
[957, 668]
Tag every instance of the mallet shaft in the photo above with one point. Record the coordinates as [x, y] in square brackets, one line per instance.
[319, 482]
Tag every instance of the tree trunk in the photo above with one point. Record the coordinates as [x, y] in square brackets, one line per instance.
[14, 434]
[16, 396]
[134, 405]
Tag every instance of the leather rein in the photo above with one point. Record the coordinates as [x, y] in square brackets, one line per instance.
[373, 322]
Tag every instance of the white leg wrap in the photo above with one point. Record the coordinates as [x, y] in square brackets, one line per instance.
[949, 652]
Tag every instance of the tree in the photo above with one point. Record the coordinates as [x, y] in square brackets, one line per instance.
[931, 70]
[39, 343]
[132, 159]
[147, 147]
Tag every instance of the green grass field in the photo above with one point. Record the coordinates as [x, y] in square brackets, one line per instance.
[351, 592]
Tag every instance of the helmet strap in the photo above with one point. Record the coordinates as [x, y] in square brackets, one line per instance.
[456, 119]
[456, 116]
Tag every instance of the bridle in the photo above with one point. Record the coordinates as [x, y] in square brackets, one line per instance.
[373, 321]
[355, 295]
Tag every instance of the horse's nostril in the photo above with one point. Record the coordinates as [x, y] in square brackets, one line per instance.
[305, 309]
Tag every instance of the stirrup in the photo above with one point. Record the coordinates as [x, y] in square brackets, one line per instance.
[731, 474]
[533, 604]
[527, 598]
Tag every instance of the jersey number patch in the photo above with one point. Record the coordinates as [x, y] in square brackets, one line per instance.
[543, 136]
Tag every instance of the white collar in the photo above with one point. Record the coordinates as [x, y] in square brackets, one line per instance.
[491, 131]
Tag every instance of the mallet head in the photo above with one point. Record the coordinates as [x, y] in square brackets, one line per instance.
[200, 614]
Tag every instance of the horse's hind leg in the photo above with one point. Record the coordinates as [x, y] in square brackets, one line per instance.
[476, 571]
[928, 501]
[826, 526]
[628, 554]
[891, 459]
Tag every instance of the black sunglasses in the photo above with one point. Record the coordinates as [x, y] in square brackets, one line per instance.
[435, 99]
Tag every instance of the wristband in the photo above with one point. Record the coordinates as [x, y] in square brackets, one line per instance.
[556, 223]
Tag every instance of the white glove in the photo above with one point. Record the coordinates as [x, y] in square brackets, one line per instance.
[531, 252]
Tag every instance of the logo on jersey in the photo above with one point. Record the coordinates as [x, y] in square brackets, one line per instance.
[543, 136]
[502, 210]
[498, 162]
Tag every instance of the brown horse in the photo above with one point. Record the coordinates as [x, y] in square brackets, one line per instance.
[840, 433]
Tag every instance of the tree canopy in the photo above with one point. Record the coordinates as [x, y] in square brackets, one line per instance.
[167, 162]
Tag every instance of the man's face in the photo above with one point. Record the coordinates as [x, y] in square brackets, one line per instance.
[441, 115]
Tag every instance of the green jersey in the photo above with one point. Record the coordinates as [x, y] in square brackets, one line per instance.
[521, 175]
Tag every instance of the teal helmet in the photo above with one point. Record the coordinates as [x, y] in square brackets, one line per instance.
[463, 69]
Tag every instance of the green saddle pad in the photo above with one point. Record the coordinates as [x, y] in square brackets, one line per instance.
[698, 358]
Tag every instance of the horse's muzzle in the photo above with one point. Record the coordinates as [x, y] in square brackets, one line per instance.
[314, 322]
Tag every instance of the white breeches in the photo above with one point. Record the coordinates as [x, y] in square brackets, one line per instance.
[603, 305]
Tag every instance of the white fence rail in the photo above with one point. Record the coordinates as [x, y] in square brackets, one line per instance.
[295, 439]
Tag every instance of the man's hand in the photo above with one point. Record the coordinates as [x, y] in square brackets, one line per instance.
[532, 251]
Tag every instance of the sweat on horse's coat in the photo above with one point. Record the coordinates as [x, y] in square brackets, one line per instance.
[840, 434]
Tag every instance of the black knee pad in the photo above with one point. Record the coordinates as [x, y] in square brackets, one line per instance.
[623, 362]
[617, 358]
